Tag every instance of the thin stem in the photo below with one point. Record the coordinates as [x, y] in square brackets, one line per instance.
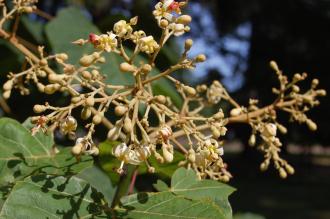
[123, 185]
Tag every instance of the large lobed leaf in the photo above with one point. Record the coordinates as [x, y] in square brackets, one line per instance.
[53, 197]
[166, 205]
[23, 154]
[187, 197]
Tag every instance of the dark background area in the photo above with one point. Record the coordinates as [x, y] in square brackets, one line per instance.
[245, 36]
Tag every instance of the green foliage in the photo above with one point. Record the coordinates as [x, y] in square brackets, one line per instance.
[187, 197]
[23, 154]
[45, 196]
[100, 180]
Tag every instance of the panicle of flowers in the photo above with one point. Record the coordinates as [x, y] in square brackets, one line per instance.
[179, 128]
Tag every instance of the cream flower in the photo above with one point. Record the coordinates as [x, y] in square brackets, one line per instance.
[215, 92]
[131, 156]
[122, 29]
[107, 42]
[161, 11]
[137, 35]
[148, 45]
[178, 29]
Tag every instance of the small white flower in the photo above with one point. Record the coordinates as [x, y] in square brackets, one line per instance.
[269, 130]
[148, 45]
[178, 29]
[131, 156]
[107, 42]
[122, 29]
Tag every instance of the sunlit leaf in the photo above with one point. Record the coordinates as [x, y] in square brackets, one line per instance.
[53, 197]
[23, 154]
[187, 197]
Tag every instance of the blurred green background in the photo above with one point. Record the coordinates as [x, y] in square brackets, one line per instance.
[240, 38]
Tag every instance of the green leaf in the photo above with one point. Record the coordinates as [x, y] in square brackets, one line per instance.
[160, 186]
[188, 197]
[23, 154]
[35, 28]
[166, 205]
[99, 180]
[53, 197]
[69, 25]
[185, 182]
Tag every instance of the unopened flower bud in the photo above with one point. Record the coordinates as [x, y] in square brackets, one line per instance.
[28, 9]
[201, 58]
[263, 166]
[86, 113]
[186, 28]
[51, 88]
[297, 77]
[225, 178]
[184, 19]
[87, 60]
[6, 94]
[101, 60]
[191, 156]
[120, 110]
[127, 125]
[289, 169]
[321, 92]
[62, 56]
[125, 67]
[39, 108]
[95, 73]
[219, 115]
[295, 88]
[168, 156]
[77, 149]
[315, 82]
[163, 23]
[87, 75]
[189, 90]
[311, 125]
[113, 134]
[8, 85]
[252, 140]
[97, 119]
[215, 132]
[282, 129]
[90, 101]
[151, 169]
[133, 21]
[283, 173]
[75, 99]
[160, 99]
[236, 112]
[41, 87]
[274, 65]
[43, 62]
[146, 68]
[188, 44]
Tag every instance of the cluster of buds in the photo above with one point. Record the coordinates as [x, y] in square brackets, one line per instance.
[19, 7]
[291, 100]
[147, 124]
